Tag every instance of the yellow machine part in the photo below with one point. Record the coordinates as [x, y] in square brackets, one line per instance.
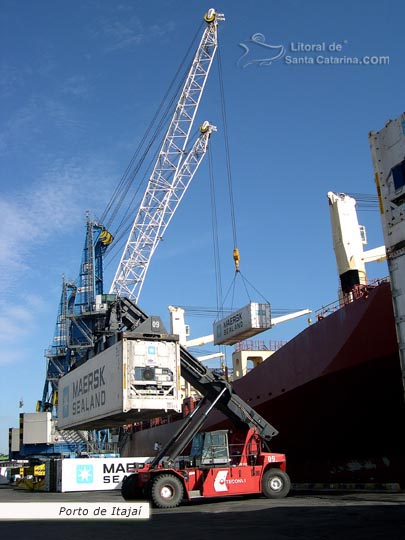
[236, 258]
[105, 237]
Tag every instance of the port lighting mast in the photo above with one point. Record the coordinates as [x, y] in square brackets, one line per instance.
[172, 173]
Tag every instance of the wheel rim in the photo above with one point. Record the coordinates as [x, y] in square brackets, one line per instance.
[166, 492]
[276, 484]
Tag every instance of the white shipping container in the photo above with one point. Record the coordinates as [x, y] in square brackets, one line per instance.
[242, 324]
[388, 155]
[94, 474]
[130, 381]
[37, 428]
[15, 439]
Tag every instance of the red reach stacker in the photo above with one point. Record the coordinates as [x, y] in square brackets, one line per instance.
[218, 463]
[215, 471]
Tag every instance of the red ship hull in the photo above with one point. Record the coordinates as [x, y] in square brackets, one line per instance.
[335, 394]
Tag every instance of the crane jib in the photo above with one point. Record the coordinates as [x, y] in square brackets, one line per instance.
[172, 173]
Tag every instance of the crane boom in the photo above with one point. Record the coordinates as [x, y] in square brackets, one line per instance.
[167, 183]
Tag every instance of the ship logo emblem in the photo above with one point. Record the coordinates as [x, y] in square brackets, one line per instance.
[84, 474]
[258, 52]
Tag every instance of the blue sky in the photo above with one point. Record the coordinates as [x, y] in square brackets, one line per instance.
[79, 83]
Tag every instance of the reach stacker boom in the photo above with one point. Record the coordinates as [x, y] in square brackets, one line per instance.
[219, 463]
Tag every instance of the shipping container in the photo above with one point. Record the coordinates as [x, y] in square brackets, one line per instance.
[130, 381]
[242, 324]
[37, 428]
[15, 440]
[94, 474]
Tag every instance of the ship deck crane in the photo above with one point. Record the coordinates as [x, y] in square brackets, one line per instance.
[348, 240]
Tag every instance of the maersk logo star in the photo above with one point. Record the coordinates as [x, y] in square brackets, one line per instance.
[84, 474]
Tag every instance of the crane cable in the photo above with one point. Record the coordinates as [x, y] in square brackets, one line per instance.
[365, 201]
[215, 239]
[236, 256]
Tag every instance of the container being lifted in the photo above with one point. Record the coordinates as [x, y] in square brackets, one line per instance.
[134, 379]
[242, 324]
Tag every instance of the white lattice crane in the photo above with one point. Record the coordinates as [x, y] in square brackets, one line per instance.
[172, 173]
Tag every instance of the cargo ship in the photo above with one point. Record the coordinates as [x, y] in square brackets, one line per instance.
[334, 392]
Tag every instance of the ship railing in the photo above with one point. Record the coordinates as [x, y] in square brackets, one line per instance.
[259, 345]
[359, 291]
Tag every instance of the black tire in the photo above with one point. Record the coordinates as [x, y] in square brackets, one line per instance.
[166, 491]
[276, 484]
[129, 488]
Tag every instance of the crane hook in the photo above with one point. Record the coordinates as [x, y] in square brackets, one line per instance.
[236, 258]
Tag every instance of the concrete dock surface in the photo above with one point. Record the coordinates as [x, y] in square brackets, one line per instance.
[335, 515]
